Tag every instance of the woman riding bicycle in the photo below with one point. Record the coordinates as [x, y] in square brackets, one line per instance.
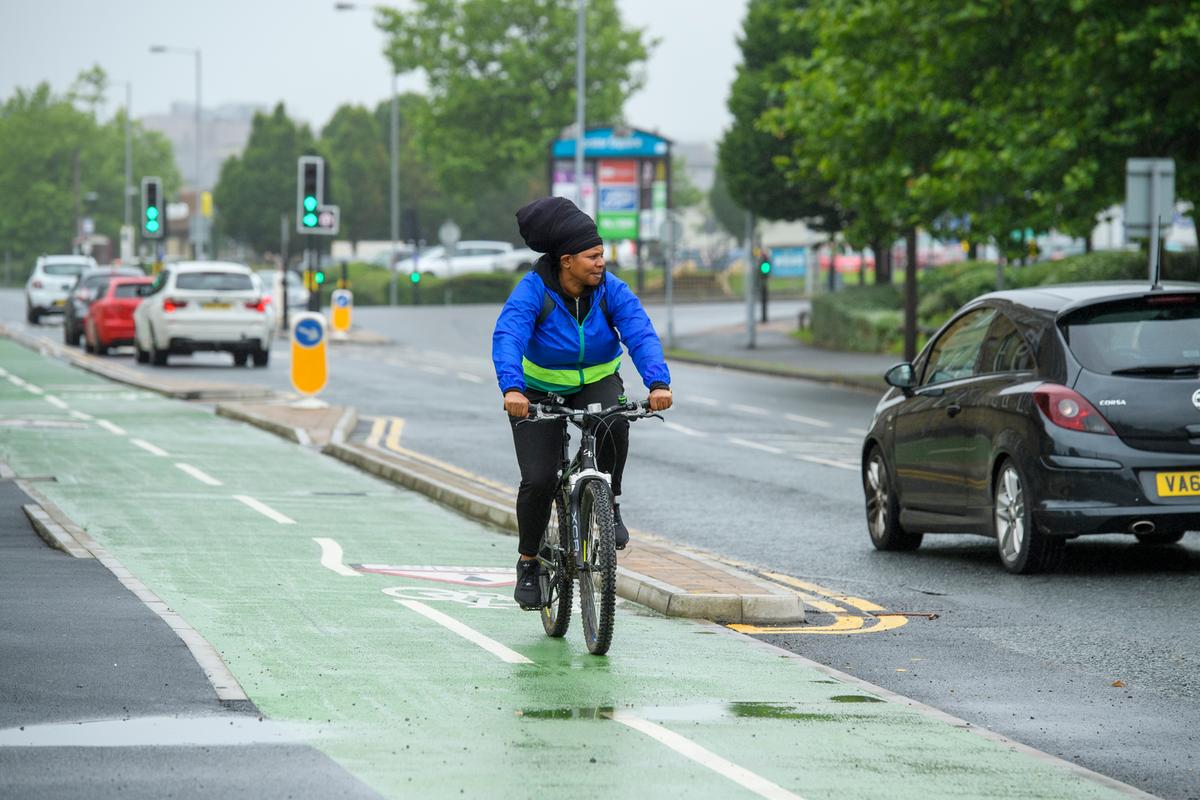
[560, 332]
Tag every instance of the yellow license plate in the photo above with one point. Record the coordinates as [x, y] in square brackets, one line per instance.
[1178, 484]
[216, 306]
[60, 302]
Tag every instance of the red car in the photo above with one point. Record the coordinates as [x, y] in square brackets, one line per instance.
[109, 320]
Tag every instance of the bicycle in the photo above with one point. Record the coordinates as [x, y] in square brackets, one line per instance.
[579, 545]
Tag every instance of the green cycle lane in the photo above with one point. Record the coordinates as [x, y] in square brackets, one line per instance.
[305, 575]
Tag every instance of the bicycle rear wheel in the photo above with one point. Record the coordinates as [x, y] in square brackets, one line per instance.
[598, 577]
[558, 571]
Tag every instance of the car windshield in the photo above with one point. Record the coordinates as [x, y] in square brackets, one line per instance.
[215, 281]
[126, 289]
[1148, 335]
[63, 269]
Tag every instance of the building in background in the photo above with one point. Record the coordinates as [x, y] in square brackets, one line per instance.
[224, 131]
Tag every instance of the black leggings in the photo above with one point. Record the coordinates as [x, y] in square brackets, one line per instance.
[539, 450]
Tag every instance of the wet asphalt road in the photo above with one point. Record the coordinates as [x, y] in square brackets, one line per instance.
[1035, 658]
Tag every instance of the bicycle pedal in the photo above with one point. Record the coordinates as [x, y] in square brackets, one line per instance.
[530, 608]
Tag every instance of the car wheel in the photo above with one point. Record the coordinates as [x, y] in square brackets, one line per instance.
[142, 356]
[883, 508]
[70, 335]
[157, 357]
[1166, 537]
[100, 348]
[240, 359]
[32, 316]
[261, 357]
[1023, 548]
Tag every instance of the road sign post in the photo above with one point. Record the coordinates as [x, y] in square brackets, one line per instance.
[342, 305]
[310, 357]
[1149, 197]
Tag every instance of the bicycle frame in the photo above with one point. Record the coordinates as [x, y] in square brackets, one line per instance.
[574, 473]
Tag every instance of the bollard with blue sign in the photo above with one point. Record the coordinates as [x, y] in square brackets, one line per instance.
[310, 357]
[342, 307]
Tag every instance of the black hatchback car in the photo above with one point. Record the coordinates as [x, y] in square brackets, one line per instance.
[1038, 415]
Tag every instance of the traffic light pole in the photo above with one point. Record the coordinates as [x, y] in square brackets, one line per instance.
[750, 267]
[762, 279]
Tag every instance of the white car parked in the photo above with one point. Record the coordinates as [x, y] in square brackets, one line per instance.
[470, 256]
[204, 305]
[50, 282]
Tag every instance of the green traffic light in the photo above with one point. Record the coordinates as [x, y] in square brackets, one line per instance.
[415, 277]
[152, 226]
[310, 203]
[151, 213]
[765, 268]
[310, 220]
[319, 277]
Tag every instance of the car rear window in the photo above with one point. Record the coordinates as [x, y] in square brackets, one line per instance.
[127, 289]
[96, 281]
[1161, 331]
[63, 269]
[215, 281]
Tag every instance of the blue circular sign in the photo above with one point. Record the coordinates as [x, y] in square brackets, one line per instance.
[308, 332]
[342, 300]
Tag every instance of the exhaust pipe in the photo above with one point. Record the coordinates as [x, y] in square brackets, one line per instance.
[1142, 526]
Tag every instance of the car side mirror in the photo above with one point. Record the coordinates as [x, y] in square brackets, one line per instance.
[902, 377]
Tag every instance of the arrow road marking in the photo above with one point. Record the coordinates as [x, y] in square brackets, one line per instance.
[331, 558]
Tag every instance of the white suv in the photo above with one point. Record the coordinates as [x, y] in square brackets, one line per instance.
[470, 256]
[204, 305]
[50, 282]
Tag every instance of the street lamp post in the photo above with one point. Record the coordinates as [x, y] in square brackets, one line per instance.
[127, 227]
[197, 222]
[580, 94]
[394, 147]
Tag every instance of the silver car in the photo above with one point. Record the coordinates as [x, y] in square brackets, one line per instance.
[50, 282]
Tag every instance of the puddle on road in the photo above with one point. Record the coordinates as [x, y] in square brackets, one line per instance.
[709, 712]
[152, 732]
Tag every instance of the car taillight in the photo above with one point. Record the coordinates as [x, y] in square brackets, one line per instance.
[170, 305]
[36, 284]
[1067, 408]
[260, 305]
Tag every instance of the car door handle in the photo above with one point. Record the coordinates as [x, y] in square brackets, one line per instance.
[953, 409]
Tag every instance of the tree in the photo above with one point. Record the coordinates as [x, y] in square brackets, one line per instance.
[754, 159]
[501, 77]
[360, 167]
[46, 140]
[685, 193]
[729, 215]
[258, 187]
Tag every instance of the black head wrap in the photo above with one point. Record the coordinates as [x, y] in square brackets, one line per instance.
[556, 226]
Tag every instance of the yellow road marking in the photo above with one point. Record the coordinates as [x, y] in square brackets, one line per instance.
[377, 427]
[395, 428]
[856, 602]
[833, 602]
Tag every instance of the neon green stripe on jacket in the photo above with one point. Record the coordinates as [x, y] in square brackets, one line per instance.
[566, 380]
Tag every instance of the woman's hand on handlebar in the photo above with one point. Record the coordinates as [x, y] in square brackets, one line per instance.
[516, 404]
[660, 399]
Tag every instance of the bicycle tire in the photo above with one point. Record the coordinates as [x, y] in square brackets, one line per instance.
[598, 579]
[558, 572]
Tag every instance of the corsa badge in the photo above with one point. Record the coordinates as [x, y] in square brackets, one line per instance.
[1196, 398]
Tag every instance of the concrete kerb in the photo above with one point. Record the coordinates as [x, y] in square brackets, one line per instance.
[52, 533]
[130, 377]
[266, 423]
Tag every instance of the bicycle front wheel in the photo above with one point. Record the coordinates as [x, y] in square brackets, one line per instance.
[598, 575]
[558, 571]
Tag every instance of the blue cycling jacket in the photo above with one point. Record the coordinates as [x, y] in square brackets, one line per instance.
[561, 354]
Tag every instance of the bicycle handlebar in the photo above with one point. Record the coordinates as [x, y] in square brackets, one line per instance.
[539, 412]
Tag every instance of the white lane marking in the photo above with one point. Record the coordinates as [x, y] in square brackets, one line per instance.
[431, 369]
[675, 426]
[264, 509]
[829, 462]
[704, 401]
[203, 477]
[149, 448]
[108, 426]
[54, 401]
[819, 423]
[29, 387]
[761, 412]
[858, 431]
[766, 448]
[82, 416]
[466, 632]
[704, 757]
[3, 372]
[331, 558]
[16, 380]
[466, 376]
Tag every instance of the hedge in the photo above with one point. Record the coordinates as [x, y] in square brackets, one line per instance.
[871, 319]
[371, 286]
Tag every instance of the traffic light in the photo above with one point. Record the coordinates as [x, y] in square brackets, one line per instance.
[415, 277]
[308, 195]
[764, 264]
[154, 219]
[319, 277]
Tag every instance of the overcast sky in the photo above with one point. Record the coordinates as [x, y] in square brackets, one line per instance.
[251, 54]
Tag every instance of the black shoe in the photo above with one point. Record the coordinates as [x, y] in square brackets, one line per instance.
[528, 593]
[621, 530]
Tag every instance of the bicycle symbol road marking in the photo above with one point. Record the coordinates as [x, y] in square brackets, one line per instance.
[467, 597]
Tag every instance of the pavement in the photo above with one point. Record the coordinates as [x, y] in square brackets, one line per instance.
[375, 627]
[778, 352]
